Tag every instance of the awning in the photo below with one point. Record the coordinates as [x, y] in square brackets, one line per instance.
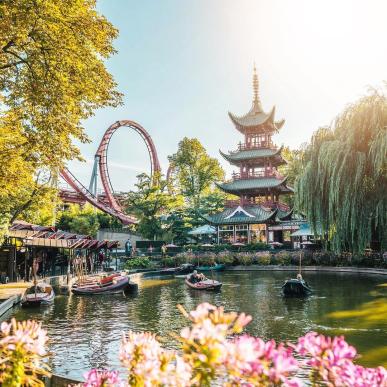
[44, 236]
[305, 230]
[206, 229]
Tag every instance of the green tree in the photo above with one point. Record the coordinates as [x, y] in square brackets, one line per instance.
[52, 78]
[292, 169]
[195, 171]
[183, 219]
[344, 179]
[79, 220]
[151, 203]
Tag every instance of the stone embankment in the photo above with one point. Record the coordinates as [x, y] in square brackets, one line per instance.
[332, 269]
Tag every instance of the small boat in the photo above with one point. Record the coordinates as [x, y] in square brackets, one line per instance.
[185, 268]
[296, 287]
[205, 284]
[38, 294]
[216, 267]
[112, 284]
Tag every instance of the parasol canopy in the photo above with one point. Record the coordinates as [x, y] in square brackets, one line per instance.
[207, 245]
[206, 229]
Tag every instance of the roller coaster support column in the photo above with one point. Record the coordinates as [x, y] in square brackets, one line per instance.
[94, 176]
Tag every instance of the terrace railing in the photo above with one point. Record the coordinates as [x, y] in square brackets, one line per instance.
[255, 175]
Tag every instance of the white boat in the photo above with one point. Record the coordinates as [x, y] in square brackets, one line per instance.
[38, 294]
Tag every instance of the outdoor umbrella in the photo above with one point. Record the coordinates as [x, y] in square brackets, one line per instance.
[170, 245]
[276, 243]
[206, 229]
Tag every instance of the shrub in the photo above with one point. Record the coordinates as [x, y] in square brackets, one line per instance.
[168, 261]
[225, 257]
[262, 258]
[283, 258]
[206, 259]
[244, 258]
[138, 263]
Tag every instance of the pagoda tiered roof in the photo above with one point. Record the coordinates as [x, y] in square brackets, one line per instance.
[252, 214]
[255, 155]
[256, 120]
[248, 214]
[238, 185]
[261, 184]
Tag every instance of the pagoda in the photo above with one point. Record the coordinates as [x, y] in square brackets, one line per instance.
[258, 183]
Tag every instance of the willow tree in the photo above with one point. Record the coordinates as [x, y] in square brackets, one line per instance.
[52, 78]
[343, 185]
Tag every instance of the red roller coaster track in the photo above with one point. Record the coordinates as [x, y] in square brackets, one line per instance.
[112, 207]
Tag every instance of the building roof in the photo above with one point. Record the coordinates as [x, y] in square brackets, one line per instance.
[253, 154]
[246, 215]
[255, 184]
[284, 215]
[47, 236]
[256, 117]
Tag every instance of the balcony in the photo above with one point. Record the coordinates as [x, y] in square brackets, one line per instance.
[256, 175]
[255, 145]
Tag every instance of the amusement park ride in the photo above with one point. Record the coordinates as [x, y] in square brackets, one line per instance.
[107, 202]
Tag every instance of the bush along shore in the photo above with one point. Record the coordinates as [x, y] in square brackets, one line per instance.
[264, 258]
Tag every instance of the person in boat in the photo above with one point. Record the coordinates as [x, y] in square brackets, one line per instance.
[196, 277]
[299, 277]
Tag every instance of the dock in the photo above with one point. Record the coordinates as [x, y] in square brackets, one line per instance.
[11, 294]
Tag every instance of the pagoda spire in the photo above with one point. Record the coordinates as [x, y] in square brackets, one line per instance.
[256, 100]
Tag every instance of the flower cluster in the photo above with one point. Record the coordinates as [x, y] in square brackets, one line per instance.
[213, 353]
[251, 360]
[22, 349]
[102, 378]
[150, 365]
[204, 344]
[331, 360]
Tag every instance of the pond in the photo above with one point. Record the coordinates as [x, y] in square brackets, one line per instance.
[85, 332]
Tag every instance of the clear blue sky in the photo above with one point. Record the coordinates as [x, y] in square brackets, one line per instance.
[183, 64]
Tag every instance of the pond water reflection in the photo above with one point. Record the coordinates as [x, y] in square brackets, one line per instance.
[85, 332]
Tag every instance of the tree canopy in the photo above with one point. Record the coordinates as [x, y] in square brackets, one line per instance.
[292, 170]
[194, 170]
[344, 180]
[52, 77]
[84, 220]
[151, 203]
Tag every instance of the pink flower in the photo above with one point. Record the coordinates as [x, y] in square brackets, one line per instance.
[205, 331]
[102, 378]
[27, 334]
[202, 311]
[358, 376]
[330, 357]
[250, 358]
[148, 364]
[242, 320]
